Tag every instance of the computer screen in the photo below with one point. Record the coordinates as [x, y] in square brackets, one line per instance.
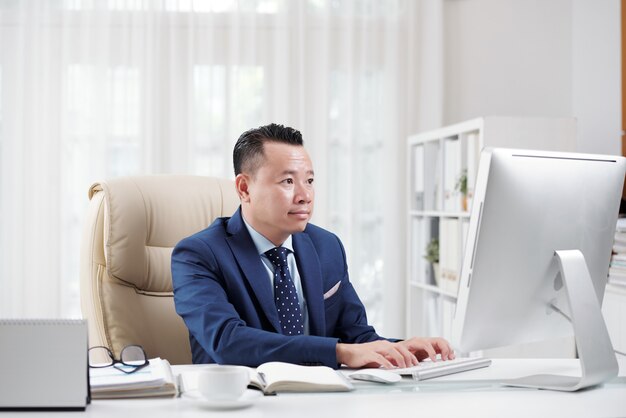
[537, 254]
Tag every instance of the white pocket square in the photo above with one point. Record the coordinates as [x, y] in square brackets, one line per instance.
[332, 290]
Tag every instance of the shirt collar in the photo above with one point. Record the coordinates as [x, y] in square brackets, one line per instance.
[261, 243]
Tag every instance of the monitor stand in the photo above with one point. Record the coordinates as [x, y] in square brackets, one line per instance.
[597, 358]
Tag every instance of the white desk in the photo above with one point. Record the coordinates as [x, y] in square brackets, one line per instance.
[474, 393]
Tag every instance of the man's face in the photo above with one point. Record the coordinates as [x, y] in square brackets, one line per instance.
[278, 200]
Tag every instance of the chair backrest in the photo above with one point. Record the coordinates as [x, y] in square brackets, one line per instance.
[132, 225]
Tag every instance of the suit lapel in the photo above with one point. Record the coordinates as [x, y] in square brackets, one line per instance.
[311, 277]
[250, 263]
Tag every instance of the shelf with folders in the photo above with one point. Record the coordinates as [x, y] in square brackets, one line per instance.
[438, 268]
[442, 178]
[443, 173]
[442, 169]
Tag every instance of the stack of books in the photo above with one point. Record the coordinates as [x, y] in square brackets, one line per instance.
[156, 379]
[617, 268]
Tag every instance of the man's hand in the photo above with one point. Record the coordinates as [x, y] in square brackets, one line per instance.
[375, 354]
[388, 355]
[424, 348]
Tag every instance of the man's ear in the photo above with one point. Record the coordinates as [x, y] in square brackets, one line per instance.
[242, 183]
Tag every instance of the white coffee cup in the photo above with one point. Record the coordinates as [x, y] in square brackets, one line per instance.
[223, 383]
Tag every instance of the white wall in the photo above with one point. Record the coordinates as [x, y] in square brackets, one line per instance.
[596, 68]
[536, 58]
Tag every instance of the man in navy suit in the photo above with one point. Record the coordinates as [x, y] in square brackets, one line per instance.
[266, 285]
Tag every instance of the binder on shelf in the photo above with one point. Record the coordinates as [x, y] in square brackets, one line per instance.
[452, 172]
[473, 156]
[418, 264]
[464, 233]
[447, 315]
[432, 172]
[418, 177]
[443, 252]
[449, 254]
[433, 322]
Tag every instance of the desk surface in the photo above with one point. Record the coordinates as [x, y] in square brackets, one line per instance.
[474, 393]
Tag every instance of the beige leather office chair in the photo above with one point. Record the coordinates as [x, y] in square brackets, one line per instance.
[131, 227]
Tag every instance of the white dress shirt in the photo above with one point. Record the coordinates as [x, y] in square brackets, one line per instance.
[262, 245]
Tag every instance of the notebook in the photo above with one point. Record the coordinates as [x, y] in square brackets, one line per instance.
[44, 364]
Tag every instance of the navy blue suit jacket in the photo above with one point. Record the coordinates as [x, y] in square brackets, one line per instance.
[223, 293]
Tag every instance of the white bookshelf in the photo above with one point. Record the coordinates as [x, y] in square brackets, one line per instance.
[437, 159]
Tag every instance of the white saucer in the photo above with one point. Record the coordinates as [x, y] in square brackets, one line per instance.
[247, 399]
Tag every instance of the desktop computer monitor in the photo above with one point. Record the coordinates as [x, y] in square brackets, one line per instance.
[537, 257]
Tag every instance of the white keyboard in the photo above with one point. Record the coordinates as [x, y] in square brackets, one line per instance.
[428, 369]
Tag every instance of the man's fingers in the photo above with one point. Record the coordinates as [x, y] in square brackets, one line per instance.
[409, 358]
[442, 347]
[430, 350]
[388, 355]
[429, 347]
[382, 361]
[392, 353]
[423, 345]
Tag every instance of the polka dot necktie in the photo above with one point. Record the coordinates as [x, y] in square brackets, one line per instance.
[285, 295]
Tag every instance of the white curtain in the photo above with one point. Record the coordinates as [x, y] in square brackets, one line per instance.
[95, 89]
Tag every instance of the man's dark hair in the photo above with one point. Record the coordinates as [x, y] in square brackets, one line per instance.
[248, 152]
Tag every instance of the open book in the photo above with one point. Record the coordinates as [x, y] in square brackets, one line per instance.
[285, 377]
[276, 377]
[153, 380]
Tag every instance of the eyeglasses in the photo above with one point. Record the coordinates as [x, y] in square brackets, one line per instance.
[132, 358]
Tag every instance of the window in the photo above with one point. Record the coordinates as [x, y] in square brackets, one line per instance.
[355, 156]
[123, 87]
[227, 101]
[197, 6]
[123, 108]
[101, 134]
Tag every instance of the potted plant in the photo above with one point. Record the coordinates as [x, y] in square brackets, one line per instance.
[461, 186]
[432, 256]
